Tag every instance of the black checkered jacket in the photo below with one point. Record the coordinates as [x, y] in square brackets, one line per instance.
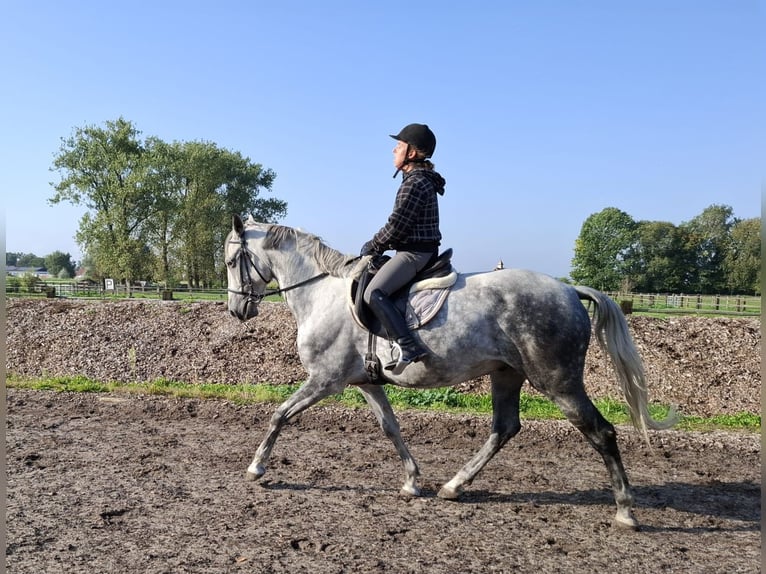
[414, 222]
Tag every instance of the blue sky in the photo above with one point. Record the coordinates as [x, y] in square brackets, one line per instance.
[545, 112]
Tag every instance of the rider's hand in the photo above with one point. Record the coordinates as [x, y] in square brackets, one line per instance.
[368, 249]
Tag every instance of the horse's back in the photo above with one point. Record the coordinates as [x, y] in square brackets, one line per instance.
[523, 292]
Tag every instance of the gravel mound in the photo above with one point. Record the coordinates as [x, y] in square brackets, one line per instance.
[705, 366]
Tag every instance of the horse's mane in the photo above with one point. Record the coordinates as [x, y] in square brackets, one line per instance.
[327, 259]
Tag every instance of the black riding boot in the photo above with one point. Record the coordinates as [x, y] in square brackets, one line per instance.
[410, 349]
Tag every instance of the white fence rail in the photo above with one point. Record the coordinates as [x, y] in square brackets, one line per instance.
[675, 302]
[748, 305]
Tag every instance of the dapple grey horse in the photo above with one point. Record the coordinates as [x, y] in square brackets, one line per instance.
[512, 325]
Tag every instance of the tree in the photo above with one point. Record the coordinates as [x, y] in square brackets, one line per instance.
[708, 237]
[104, 169]
[58, 261]
[29, 260]
[90, 269]
[158, 210]
[660, 261]
[165, 180]
[204, 185]
[603, 249]
[742, 260]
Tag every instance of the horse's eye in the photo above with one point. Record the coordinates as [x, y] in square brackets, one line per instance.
[231, 262]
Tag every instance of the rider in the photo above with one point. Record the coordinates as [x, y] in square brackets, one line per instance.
[412, 230]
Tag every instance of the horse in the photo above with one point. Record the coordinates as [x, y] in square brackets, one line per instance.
[513, 325]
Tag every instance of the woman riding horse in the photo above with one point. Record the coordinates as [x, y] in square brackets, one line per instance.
[412, 230]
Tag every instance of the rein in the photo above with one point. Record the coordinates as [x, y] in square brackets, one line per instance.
[268, 292]
[248, 287]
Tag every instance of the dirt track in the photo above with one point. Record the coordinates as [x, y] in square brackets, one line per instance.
[107, 483]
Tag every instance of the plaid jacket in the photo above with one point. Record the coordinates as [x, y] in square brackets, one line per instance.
[414, 222]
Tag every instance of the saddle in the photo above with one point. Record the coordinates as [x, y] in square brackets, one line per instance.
[418, 301]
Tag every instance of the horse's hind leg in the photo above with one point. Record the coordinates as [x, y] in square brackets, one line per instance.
[600, 433]
[506, 388]
[378, 401]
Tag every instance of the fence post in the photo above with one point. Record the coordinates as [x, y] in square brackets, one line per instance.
[627, 306]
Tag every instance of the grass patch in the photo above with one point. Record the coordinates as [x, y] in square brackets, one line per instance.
[447, 399]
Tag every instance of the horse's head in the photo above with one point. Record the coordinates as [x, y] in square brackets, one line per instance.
[246, 273]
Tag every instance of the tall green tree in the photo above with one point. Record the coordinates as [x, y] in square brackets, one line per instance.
[104, 168]
[709, 236]
[57, 261]
[162, 229]
[158, 210]
[742, 260]
[210, 185]
[660, 261]
[603, 249]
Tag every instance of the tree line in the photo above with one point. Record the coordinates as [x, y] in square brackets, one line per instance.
[714, 252]
[156, 210]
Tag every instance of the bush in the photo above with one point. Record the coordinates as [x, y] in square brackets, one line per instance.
[13, 284]
[30, 282]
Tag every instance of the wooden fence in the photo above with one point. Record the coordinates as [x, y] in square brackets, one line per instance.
[746, 305]
[681, 303]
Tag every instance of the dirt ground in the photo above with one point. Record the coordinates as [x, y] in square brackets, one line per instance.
[117, 483]
[111, 483]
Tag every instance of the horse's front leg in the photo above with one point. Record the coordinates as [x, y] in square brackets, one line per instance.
[378, 401]
[307, 395]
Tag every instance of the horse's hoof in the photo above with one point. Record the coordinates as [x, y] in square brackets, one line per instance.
[254, 472]
[448, 493]
[625, 521]
[409, 492]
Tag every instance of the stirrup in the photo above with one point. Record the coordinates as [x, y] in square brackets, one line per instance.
[398, 366]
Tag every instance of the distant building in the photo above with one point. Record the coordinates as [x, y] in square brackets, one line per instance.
[14, 271]
[499, 266]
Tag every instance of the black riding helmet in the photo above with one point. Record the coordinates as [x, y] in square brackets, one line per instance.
[419, 136]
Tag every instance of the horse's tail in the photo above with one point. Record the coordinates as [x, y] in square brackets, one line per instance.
[614, 338]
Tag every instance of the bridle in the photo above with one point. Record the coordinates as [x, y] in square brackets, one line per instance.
[245, 256]
[247, 289]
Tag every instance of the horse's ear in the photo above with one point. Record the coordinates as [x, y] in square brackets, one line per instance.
[237, 225]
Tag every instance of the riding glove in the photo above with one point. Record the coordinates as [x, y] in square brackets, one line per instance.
[369, 249]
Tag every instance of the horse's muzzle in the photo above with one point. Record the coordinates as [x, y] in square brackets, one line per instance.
[247, 310]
